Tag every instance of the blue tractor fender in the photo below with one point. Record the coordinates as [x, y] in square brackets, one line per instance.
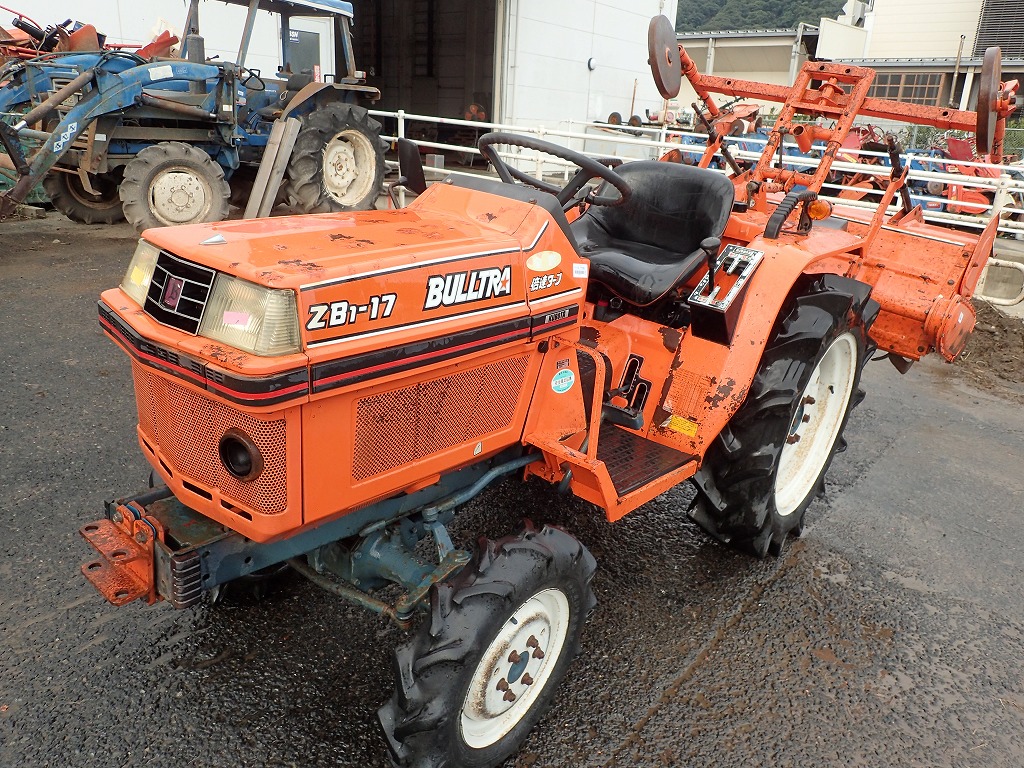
[315, 95]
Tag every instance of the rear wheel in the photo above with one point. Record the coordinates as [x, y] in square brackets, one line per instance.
[173, 183]
[70, 197]
[337, 163]
[769, 463]
[501, 635]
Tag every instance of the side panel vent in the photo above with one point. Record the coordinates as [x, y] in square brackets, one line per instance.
[402, 426]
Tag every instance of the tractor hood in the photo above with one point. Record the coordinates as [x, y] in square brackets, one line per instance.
[458, 266]
[295, 251]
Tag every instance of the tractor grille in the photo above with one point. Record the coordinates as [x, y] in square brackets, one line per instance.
[178, 293]
[402, 426]
[186, 427]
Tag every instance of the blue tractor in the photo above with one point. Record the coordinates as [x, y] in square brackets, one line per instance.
[115, 135]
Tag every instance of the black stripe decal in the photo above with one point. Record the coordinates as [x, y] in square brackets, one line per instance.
[384, 362]
[269, 390]
[441, 262]
[554, 319]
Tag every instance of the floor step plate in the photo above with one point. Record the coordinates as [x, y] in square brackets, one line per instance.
[633, 461]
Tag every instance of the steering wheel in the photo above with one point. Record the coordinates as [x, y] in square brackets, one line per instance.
[589, 168]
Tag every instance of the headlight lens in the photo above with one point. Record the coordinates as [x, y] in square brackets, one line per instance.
[263, 321]
[140, 272]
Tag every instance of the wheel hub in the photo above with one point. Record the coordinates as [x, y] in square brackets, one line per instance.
[515, 668]
[178, 196]
[349, 162]
[817, 422]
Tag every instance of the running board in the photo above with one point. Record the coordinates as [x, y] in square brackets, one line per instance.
[621, 473]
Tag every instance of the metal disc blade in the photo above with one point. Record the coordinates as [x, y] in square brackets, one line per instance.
[663, 56]
[988, 97]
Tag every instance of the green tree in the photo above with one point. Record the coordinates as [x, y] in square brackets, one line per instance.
[716, 15]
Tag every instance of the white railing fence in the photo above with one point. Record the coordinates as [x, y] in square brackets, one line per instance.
[650, 142]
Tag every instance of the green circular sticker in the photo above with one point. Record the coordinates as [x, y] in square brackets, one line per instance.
[563, 380]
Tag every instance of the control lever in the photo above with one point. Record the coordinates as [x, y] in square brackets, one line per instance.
[710, 246]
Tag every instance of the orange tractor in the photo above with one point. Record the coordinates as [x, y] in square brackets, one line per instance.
[327, 391]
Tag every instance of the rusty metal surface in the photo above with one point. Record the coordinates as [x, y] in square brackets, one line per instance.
[123, 572]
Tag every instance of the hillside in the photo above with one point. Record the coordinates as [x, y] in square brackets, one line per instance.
[715, 15]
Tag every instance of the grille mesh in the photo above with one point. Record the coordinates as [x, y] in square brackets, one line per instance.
[399, 427]
[186, 426]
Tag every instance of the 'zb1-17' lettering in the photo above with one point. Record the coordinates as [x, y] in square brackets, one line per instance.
[464, 287]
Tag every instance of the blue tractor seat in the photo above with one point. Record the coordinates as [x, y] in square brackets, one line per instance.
[644, 248]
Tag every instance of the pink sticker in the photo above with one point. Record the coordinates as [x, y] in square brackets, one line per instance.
[236, 318]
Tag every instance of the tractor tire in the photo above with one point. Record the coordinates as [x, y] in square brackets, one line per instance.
[70, 197]
[337, 163]
[507, 626]
[172, 183]
[770, 461]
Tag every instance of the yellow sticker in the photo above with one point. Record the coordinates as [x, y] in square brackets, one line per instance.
[138, 275]
[679, 424]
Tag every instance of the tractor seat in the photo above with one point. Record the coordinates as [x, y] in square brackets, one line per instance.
[644, 248]
[294, 84]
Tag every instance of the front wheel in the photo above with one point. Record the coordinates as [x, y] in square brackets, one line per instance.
[769, 463]
[500, 638]
[173, 183]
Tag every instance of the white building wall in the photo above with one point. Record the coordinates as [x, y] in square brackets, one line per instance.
[901, 29]
[841, 41]
[139, 21]
[549, 44]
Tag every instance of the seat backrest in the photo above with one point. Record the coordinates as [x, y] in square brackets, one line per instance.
[673, 206]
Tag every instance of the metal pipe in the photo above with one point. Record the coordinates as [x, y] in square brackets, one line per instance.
[250, 21]
[351, 594]
[461, 497]
[173, 106]
[48, 106]
[956, 71]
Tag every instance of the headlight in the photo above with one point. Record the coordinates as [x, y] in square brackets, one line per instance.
[263, 321]
[140, 272]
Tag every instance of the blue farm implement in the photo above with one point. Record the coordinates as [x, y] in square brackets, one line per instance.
[113, 134]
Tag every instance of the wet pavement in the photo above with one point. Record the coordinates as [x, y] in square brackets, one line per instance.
[890, 635]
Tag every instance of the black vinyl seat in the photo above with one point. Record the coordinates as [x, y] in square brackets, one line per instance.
[642, 249]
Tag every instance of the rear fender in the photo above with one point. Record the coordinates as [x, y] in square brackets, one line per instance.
[709, 381]
[315, 95]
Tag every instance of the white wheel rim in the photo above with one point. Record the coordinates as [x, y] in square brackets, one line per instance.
[816, 424]
[179, 196]
[349, 164]
[503, 691]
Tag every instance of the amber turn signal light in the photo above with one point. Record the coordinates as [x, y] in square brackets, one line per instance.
[819, 209]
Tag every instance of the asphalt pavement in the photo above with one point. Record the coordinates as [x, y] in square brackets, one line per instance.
[890, 635]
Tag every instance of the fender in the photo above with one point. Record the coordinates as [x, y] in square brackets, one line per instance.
[316, 94]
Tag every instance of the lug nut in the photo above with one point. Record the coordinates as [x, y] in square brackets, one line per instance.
[502, 684]
[792, 439]
[532, 642]
[527, 680]
[509, 696]
[513, 658]
[808, 401]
